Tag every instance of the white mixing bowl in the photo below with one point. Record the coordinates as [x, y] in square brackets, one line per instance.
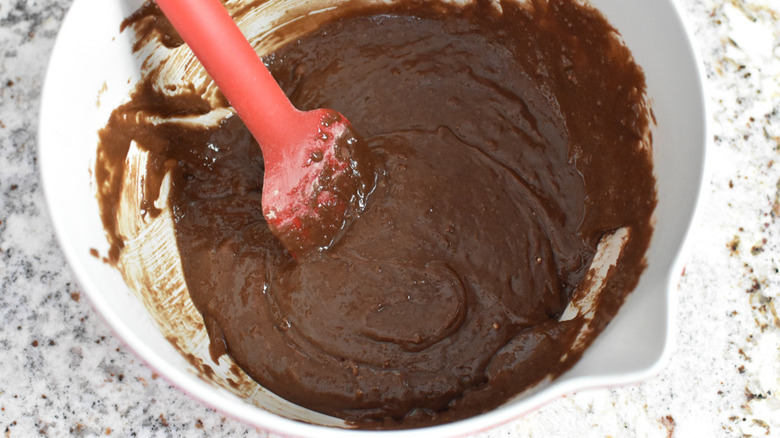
[92, 70]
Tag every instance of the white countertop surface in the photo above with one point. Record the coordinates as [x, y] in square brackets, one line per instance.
[62, 371]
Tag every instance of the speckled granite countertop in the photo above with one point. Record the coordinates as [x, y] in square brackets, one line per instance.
[62, 372]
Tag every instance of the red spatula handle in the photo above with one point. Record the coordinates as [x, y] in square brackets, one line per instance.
[239, 73]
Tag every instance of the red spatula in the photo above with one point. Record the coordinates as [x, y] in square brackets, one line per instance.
[318, 173]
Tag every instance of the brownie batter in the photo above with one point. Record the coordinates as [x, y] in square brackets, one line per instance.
[512, 138]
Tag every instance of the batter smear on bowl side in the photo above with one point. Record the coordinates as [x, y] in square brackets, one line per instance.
[512, 142]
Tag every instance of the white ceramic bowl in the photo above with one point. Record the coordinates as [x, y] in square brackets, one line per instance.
[92, 71]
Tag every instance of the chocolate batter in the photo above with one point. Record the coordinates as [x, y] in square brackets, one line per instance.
[511, 139]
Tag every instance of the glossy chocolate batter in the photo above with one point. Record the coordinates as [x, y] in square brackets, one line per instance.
[511, 139]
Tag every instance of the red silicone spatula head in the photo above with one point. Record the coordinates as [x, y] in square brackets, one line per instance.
[313, 190]
[318, 173]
